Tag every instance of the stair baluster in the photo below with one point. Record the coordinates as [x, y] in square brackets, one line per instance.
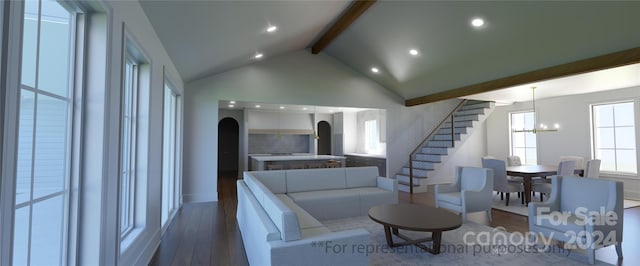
[436, 129]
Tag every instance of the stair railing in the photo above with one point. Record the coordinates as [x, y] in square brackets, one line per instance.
[449, 117]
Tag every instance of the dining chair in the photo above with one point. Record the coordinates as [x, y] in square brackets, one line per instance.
[565, 168]
[514, 160]
[592, 169]
[578, 159]
[500, 182]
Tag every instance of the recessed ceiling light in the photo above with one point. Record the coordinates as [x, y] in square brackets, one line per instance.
[414, 52]
[477, 22]
[281, 107]
[304, 108]
[272, 28]
[232, 102]
[231, 106]
[258, 56]
[375, 70]
[258, 106]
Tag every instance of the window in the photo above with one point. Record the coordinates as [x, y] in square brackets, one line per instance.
[523, 144]
[134, 143]
[614, 136]
[170, 159]
[42, 195]
[371, 136]
[128, 147]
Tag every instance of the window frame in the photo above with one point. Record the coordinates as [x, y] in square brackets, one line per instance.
[138, 186]
[132, 137]
[511, 137]
[72, 132]
[168, 212]
[593, 131]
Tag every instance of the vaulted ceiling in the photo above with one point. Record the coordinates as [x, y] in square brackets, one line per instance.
[204, 38]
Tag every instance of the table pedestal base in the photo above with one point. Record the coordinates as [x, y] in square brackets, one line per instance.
[436, 238]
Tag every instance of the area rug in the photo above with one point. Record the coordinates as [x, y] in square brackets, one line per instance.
[515, 205]
[471, 244]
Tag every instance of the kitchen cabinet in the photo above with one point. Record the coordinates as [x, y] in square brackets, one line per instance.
[357, 160]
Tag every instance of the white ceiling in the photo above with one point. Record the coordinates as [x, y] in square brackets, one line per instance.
[609, 79]
[208, 37]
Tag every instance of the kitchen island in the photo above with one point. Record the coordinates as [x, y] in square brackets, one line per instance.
[259, 163]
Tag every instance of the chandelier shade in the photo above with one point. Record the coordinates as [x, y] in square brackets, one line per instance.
[536, 129]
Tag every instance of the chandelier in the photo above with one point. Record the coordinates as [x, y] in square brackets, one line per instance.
[542, 127]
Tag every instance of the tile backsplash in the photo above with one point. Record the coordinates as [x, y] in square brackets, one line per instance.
[274, 143]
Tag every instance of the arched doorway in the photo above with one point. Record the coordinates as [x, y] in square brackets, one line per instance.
[324, 133]
[228, 147]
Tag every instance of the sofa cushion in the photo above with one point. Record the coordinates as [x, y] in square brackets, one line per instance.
[255, 186]
[315, 179]
[452, 197]
[561, 222]
[373, 196]
[284, 218]
[249, 209]
[361, 176]
[304, 218]
[590, 197]
[328, 204]
[276, 181]
[281, 215]
[315, 231]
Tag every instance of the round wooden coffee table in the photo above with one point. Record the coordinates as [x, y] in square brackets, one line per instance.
[414, 217]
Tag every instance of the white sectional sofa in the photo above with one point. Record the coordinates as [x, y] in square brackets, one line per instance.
[279, 214]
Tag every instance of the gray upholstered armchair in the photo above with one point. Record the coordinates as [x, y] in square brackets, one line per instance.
[470, 191]
[585, 212]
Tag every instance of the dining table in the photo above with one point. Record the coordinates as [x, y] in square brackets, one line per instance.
[528, 172]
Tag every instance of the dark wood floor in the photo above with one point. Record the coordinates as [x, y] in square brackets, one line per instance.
[207, 234]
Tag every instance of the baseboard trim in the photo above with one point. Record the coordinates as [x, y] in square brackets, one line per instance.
[209, 197]
[634, 195]
[150, 249]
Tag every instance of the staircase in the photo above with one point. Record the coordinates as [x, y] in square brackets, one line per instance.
[432, 153]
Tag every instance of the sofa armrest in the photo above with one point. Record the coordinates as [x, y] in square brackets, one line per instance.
[387, 184]
[547, 207]
[347, 247]
[542, 208]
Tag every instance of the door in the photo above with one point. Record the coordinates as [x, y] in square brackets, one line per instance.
[228, 146]
[324, 141]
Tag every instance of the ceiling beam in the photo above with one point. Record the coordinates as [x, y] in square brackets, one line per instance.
[611, 60]
[354, 11]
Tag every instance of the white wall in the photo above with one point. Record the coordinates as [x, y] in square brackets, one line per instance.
[468, 154]
[296, 78]
[574, 137]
